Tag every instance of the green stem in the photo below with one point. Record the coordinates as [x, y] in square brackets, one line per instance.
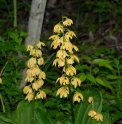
[93, 121]
[71, 103]
[70, 92]
[119, 82]
[15, 13]
[118, 71]
[2, 103]
[33, 109]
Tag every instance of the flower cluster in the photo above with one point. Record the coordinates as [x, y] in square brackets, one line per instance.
[92, 113]
[35, 76]
[65, 58]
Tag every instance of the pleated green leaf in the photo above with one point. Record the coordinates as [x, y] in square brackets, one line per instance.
[28, 112]
[106, 119]
[82, 109]
[42, 117]
[5, 119]
[117, 116]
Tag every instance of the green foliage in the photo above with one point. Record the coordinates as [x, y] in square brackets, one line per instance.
[99, 69]
[11, 63]
[82, 109]
[25, 113]
[17, 36]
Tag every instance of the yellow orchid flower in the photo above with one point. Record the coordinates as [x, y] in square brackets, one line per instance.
[35, 86]
[40, 44]
[35, 71]
[75, 48]
[36, 53]
[54, 37]
[75, 58]
[59, 61]
[70, 70]
[61, 54]
[29, 79]
[29, 47]
[70, 34]
[90, 99]
[69, 60]
[67, 22]
[75, 82]
[63, 92]
[77, 97]
[91, 113]
[55, 44]
[58, 28]
[40, 83]
[41, 94]
[31, 62]
[98, 117]
[29, 97]
[42, 75]
[40, 61]
[27, 89]
[63, 80]
[67, 45]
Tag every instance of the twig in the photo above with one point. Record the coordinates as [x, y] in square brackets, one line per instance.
[3, 68]
[26, 3]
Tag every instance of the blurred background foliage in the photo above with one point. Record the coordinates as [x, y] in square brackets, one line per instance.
[98, 25]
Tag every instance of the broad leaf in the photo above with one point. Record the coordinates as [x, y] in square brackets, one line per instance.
[42, 117]
[23, 34]
[119, 104]
[97, 61]
[102, 62]
[112, 77]
[106, 65]
[82, 77]
[106, 119]
[108, 85]
[5, 118]
[86, 57]
[33, 111]
[91, 78]
[82, 109]
[96, 70]
[100, 81]
[117, 116]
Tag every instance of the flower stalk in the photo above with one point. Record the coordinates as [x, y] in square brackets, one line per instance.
[71, 103]
[92, 113]
[65, 59]
[3, 107]
[35, 76]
